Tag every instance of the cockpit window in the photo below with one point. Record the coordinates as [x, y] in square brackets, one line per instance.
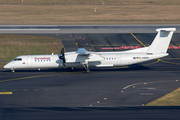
[18, 59]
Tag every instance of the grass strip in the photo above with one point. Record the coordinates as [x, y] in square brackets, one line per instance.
[60, 12]
[170, 99]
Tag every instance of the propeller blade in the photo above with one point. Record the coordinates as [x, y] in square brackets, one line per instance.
[62, 50]
[63, 57]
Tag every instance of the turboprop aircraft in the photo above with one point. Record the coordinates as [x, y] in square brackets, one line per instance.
[82, 57]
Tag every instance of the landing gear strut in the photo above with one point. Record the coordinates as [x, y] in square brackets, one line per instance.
[86, 66]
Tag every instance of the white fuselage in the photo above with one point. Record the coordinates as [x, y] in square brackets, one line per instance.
[34, 61]
[102, 59]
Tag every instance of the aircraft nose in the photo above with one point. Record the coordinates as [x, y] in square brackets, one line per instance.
[7, 66]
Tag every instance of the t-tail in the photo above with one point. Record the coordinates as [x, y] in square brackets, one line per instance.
[161, 41]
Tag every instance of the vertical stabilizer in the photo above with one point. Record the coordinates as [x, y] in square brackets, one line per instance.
[161, 41]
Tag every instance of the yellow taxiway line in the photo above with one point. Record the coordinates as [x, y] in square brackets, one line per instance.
[5, 93]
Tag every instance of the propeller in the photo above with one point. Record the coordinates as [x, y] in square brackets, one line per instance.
[63, 56]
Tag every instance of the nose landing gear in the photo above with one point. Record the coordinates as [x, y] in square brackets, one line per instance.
[12, 70]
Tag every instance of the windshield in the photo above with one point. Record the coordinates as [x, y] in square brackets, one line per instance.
[18, 59]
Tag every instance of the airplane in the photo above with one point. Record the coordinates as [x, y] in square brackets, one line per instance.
[82, 57]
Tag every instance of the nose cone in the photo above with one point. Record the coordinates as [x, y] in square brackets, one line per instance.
[7, 66]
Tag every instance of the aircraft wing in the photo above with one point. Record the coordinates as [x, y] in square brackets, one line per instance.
[82, 55]
[83, 52]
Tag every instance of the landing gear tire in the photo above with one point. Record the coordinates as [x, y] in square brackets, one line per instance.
[88, 71]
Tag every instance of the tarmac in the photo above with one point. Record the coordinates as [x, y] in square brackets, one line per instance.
[104, 93]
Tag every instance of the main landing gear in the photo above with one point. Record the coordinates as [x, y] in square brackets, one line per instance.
[86, 66]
